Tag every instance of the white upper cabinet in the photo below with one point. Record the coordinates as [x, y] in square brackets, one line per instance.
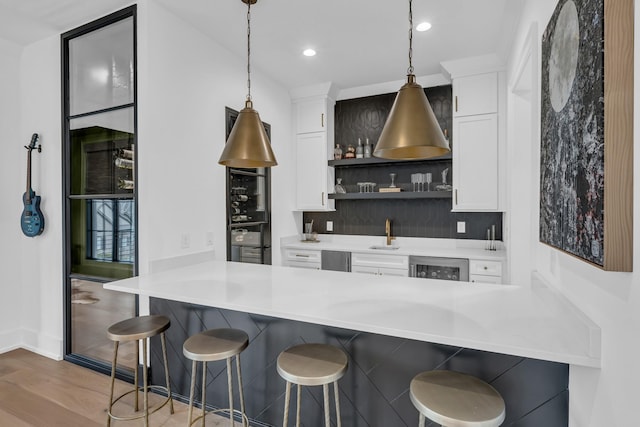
[311, 115]
[477, 153]
[477, 94]
[475, 163]
[312, 172]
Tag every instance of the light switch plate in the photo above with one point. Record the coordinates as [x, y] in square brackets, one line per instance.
[329, 225]
[462, 227]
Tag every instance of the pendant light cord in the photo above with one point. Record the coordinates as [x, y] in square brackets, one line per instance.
[410, 69]
[249, 51]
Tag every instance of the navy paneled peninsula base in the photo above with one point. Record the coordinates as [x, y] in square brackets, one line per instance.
[375, 390]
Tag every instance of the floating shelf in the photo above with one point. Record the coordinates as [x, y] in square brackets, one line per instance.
[399, 195]
[377, 161]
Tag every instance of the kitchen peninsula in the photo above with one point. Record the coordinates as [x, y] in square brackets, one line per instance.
[521, 339]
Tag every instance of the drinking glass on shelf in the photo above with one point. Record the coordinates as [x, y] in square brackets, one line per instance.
[393, 180]
[414, 181]
[428, 179]
[420, 180]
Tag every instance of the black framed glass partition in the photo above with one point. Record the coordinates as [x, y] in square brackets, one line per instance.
[99, 126]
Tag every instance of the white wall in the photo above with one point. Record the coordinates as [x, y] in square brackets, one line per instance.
[598, 397]
[41, 257]
[12, 177]
[185, 82]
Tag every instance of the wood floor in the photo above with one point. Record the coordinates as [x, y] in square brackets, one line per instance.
[40, 392]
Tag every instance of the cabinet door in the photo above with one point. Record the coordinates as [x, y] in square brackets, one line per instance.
[311, 116]
[311, 171]
[475, 163]
[475, 95]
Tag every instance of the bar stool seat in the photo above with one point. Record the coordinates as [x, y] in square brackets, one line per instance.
[139, 329]
[210, 346]
[453, 399]
[312, 365]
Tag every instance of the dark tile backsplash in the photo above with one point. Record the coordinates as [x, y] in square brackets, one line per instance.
[409, 218]
[364, 118]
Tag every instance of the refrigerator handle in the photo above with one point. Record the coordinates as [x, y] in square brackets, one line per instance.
[412, 270]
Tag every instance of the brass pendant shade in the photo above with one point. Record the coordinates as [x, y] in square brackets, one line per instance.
[412, 130]
[248, 145]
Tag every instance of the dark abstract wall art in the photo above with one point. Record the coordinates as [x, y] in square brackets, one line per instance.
[576, 209]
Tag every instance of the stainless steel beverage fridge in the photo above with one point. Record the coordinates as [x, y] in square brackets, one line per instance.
[248, 209]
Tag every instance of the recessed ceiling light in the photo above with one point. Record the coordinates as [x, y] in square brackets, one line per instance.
[309, 52]
[423, 26]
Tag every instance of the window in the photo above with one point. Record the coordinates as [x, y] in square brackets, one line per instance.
[110, 230]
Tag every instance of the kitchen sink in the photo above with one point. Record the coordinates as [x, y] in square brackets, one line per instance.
[384, 247]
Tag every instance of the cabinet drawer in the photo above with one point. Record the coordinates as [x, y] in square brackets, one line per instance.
[477, 278]
[303, 255]
[380, 260]
[485, 268]
[303, 264]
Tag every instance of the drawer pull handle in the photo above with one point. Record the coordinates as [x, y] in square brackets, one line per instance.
[485, 267]
[302, 256]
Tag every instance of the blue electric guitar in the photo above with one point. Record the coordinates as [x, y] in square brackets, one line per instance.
[31, 220]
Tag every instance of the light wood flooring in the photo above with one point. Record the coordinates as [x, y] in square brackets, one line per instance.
[40, 392]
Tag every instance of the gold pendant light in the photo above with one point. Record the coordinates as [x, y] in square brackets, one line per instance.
[412, 131]
[248, 145]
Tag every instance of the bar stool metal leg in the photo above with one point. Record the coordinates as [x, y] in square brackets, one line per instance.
[192, 390]
[204, 392]
[230, 387]
[145, 378]
[240, 389]
[166, 368]
[287, 395]
[136, 380]
[113, 380]
[325, 392]
[337, 397]
[298, 405]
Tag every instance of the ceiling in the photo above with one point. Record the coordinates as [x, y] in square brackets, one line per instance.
[359, 42]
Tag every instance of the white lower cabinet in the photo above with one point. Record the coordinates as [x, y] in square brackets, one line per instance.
[380, 264]
[481, 271]
[302, 258]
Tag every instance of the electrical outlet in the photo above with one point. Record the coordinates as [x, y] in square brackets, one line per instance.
[185, 240]
[329, 226]
[462, 227]
[208, 238]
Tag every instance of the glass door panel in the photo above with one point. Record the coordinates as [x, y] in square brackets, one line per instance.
[101, 68]
[93, 307]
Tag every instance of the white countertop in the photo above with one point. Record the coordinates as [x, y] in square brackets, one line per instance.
[449, 248]
[531, 322]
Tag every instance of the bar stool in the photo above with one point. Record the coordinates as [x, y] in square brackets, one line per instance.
[139, 329]
[453, 399]
[310, 365]
[210, 346]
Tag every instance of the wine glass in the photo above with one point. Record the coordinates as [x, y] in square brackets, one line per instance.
[393, 180]
[428, 179]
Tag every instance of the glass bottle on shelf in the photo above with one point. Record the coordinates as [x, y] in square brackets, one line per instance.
[337, 152]
[339, 188]
[359, 150]
[367, 149]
